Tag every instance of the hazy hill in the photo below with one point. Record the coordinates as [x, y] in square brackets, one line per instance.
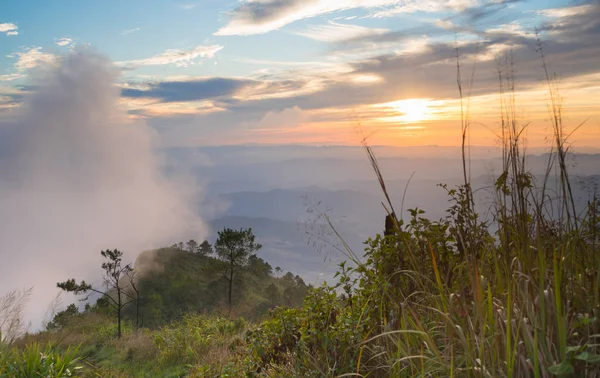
[174, 282]
[304, 204]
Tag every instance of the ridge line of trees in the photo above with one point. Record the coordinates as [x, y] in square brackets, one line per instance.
[234, 260]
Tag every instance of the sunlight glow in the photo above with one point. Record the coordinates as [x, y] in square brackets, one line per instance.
[408, 111]
[414, 110]
[367, 79]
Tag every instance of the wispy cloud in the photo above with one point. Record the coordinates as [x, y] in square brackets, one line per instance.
[337, 32]
[11, 77]
[262, 16]
[187, 6]
[178, 57]
[430, 6]
[31, 58]
[510, 29]
[9, 29]
[566, 11]
[62, 42]
[190, 90]
[129, 31]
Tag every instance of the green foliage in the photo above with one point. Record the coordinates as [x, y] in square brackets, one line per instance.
[191, 282]
[235, 248]
[72, 286]
[37, 361]
[192, 246]
[317, 339]
[62, 318]
[205, 248]
[273, 341]
[449, 297]
[186, 341]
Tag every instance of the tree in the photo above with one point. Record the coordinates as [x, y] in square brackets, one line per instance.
[205, 248]
[180, 246]
[12, 311]
[277, 271]
[62, 318]
[273, 294]
[259, 267]
[234, 248]
[115, 289]
[299, 281]
[134, 294]
[192, 246]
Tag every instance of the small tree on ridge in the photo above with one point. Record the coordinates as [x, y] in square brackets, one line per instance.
[115, 289]
[234, 248]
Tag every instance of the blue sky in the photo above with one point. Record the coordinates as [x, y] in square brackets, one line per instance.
[283, 71]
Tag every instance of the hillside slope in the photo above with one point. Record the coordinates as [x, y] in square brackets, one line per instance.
[174, 282]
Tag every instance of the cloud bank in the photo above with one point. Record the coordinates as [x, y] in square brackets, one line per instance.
[76, 177]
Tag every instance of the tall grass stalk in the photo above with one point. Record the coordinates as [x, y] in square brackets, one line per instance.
[457, 299]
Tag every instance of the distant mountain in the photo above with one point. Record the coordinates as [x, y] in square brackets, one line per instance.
[263, 168]
[304, 205]
[309, 249]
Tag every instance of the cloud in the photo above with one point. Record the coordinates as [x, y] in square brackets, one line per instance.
[378, 68]
[414, 66]
[336, 32]
[511, 29]
[283, 120]
[483, 11]
[129, 31]
[430, 6]
[178, 57]
[77, 178]
[188, 6]
[445, 24]
[9, 29]
[566, 11]
[192, 90]
[573, 25]
[62, 42]
[11, 77]
[10, 98]
[262, 16]
[31, 58]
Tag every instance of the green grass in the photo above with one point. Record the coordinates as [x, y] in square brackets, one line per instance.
[36, 361]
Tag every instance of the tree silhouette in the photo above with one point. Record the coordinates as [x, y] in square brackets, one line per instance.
[234, 248]
[115, 289]
[205, 248]
[192, 246]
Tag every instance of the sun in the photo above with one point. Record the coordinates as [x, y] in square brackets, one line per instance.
[412, 110]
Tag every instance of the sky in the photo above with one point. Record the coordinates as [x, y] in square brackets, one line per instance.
[219, 72]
